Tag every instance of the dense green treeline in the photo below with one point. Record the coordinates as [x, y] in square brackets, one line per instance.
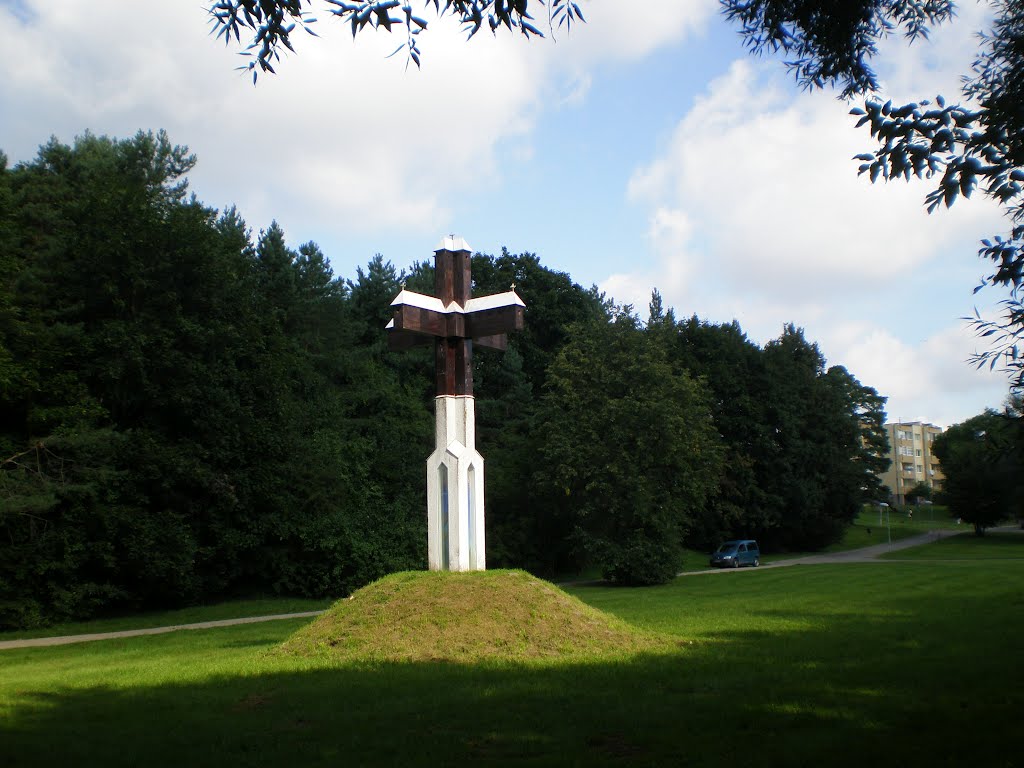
[189, 409]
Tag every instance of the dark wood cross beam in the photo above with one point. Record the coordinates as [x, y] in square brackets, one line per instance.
[453, 320]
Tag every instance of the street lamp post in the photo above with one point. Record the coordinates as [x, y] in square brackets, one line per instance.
[888, 530]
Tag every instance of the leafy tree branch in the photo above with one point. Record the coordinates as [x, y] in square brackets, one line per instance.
[268, 25]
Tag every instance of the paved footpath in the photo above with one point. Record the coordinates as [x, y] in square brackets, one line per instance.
[67, 639]
[862, 555]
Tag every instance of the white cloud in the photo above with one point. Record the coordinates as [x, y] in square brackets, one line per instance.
[770, 178]
[342, 134]
[617, 31]
[578, 88]
[930, 381]
[756, 213]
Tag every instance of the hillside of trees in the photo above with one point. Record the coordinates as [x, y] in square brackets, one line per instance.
[190, 410]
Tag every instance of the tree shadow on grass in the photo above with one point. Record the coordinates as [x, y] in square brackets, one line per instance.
[910, 690]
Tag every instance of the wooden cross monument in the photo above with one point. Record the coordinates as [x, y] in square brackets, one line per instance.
[454, 322]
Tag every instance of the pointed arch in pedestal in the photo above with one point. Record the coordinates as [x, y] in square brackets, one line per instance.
[470, 520]
[444, 524]
[455, 490]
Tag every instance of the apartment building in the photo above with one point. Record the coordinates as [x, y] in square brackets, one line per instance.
[910, 451]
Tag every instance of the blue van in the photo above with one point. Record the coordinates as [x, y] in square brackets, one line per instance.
[733, 554]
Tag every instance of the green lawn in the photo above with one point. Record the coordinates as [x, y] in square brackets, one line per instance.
[871, 528]
[991, 546]
[849, 665]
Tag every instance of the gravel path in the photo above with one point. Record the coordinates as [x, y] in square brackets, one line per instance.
[67, 639]
[862, 555]
[871, 553]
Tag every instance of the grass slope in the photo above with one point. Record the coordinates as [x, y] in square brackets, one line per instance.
[848, 665]
[468, 617]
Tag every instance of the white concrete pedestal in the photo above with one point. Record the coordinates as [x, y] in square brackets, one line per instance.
[455, 489]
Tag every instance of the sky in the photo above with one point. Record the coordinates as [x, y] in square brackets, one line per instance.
[636, 152]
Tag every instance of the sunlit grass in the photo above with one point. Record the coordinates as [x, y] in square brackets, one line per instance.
[497, 615]
[850, 665]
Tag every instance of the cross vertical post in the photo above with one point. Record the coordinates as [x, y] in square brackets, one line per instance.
[455, 470]
[454, 354]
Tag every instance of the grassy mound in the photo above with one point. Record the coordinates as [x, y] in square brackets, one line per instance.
[468, 617]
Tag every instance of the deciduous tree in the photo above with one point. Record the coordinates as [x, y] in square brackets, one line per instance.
[733, 369]
[630, 453]
[982, 461]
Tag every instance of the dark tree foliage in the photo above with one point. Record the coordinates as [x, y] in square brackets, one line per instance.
[920, 492]
[183, 415]
[814, 433]
[984, 466]
[554, 304]
[832, 44]
[802, 444]
[998, 82]
[508, 388]
[870, 450]
[267, 25]
[630, 454]
[733, 369]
